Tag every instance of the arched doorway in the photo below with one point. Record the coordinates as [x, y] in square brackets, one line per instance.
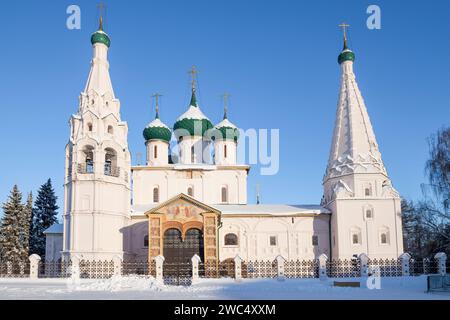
[178, 253]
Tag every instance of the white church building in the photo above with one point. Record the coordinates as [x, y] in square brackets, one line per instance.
[178, 205]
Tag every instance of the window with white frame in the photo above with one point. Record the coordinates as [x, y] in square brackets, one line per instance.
[156, 194]
[355, 236]
[231, 239]
[384, 236]
[368, 213]
[273, 241]
[224, 194]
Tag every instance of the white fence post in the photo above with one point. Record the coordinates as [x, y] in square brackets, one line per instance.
[117, 260]
[159, 268]
[195, 261]
[441, 258]
[280, 268]
[323, 258]
[405, 258]
[75, 268]
[238, 268]
[34, 266]
[364, 262]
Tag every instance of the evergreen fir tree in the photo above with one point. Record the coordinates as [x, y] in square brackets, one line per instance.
[44, 216]
[9, 229]
[24, 227]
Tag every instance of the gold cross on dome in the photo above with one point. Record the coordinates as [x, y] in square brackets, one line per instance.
[344, 27]
[157, 96]
[193, 72]
[101, 9]
[226, 98]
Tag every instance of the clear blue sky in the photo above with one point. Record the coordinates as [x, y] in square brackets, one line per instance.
[277, 59]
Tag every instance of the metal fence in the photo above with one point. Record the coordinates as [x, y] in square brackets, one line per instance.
[301, 269]
[259, 269]
[182, 273]
[17, 269]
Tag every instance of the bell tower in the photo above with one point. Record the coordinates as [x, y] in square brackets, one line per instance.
[366, 211]
[97, 179]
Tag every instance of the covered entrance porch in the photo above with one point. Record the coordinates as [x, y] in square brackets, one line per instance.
[179, 229]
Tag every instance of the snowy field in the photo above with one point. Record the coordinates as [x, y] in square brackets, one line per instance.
[146, 288]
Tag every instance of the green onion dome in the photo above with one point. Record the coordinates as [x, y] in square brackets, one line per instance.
[225, 130]
[346, 54]
[157, 130]
[100, 37]
[193, 122]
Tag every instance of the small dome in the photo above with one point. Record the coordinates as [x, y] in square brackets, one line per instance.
[225, 130]
[346, 55]
[193, 122]
[157, 130]
[100, 37]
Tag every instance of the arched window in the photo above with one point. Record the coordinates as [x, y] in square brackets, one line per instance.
[225, 151]
[110, 130]
[190, 191]
[367, 191]
[146, 241]
[369, 214]
[111, 163]
[90, 127]
[155, 152]
[355, 235]
[231, 239]
[88, 160]
[192, 154]
[155, 194]
[224, 195]
[384, 235]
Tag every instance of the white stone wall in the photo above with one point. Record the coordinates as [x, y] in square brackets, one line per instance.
[134, 235]
[222, 158]
[293, 234]
[207, 184]
[349, 218]
[161, 156]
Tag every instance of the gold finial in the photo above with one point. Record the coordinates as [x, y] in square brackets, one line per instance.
[226, 98]
[344, 27]
[101, 8]
[157, 96]
[193, 72]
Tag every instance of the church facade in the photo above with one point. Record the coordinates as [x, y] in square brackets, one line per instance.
[195, 201]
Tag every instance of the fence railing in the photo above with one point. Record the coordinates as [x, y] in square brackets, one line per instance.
[187, 272]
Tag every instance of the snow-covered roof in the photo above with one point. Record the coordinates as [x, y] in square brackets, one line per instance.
[270, 209]
[193, 113]
[157, 123]
[55, 229]
[251, 209]
[225, 123]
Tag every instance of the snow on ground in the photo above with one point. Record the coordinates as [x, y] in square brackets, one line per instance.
[137, 288]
